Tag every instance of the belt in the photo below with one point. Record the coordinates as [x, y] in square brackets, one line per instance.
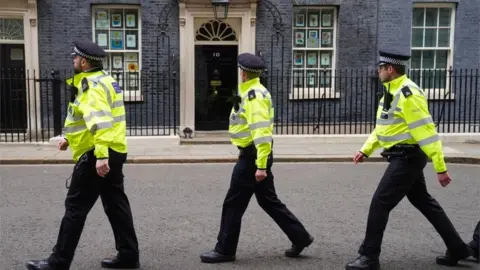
[247, 151]
[401, 151]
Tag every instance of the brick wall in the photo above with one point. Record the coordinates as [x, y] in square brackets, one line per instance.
[60, 22]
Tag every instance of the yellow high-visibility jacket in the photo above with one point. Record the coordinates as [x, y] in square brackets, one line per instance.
[408, 121]
[96, 119]
[253, 121]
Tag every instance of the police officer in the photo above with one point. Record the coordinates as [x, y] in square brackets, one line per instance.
[95, 131]
[405, 129]
[474, 245]
[251, 125]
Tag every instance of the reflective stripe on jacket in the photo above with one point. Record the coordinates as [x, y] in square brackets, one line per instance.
[96, 119]
[253, 121]
[408, 121]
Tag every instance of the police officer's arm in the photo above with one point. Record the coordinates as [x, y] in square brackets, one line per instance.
[258, 119]
[421, 126]
[98, 118]
[370, 145]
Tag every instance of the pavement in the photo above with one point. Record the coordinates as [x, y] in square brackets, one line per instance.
[457, 149]
[177, 210]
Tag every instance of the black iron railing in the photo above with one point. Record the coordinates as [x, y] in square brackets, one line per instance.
[33, 105]
[345, 101]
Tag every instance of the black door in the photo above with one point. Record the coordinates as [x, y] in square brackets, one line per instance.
[13, 94]
[216, 81]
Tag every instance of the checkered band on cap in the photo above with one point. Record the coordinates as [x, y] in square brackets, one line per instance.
[393, 61]
[95, 58]
[250, 69]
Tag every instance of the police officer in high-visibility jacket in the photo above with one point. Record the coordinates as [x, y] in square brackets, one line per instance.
[404, 128]
[251, 126]
[95, 131]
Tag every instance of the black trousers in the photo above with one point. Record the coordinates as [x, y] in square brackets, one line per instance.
[404, 177]
[476, 233]
[242, 186]
[85, 188]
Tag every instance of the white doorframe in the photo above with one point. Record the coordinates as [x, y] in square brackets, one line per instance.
[30, 40]
[243, 21]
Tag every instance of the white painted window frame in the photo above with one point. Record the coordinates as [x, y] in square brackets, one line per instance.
[437, 93]
[129, 95]
[307, 92]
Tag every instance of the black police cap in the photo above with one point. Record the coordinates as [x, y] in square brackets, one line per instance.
[251, 62]
[393, 58]
[89, 50]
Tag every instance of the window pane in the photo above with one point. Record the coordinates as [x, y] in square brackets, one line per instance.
[327, 38]
[443, 37]
[116, 40]
[441, 61]
[299, 38]
[327, 18]
[325, 59]
[430, 38]
[416, 59]
[313, 41]
[418, 15]
[116, 17]
[312, 78]
[131, 40]
[431, 17]
[312, 59]
[298, 78]
[428, 59]
[325, 76]
[131, 18]
[313, 18]
[101, 19]
[445, 16]
[299, 18]
[101, 38]
[417, 37]
[428, 79]
[298, 59]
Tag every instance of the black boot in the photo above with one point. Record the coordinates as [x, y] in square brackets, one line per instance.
[294, 251]
[38, 265]
[363, 263]
[451, 259]
[475, 250]
[215, 257]
[119, 263]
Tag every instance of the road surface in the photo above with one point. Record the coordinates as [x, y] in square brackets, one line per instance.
[177, 213]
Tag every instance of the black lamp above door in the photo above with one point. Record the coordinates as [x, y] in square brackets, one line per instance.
[220, 9]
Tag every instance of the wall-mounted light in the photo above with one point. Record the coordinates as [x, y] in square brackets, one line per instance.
[220, 9]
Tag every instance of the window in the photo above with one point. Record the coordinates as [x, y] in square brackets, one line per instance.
[118, 31]
[432, 44]
[313, 52]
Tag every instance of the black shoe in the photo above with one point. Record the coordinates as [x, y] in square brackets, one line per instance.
[38, 265]
[294, 251]
[117, 263]
[475, 250]
[363, 263]
[215, 257]
[450, 259]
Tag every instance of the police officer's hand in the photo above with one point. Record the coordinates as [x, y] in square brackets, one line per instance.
[102, 167]
[62, 144]
[358, 157]
[260, 175]
[444, 179]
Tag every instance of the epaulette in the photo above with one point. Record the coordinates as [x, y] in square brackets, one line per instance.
[251, 94]
[406, 91]
[84, 85]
